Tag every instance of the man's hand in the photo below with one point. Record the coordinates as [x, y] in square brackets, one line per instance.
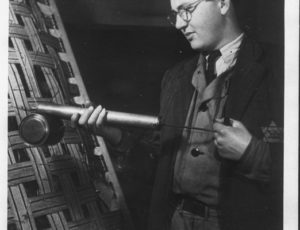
[231, 141]
[94, 120]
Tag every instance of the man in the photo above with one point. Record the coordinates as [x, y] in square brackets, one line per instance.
[224, 170]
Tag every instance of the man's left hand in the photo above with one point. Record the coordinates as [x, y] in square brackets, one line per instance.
[231, 141]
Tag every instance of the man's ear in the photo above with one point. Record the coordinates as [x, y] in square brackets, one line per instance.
[224, 6]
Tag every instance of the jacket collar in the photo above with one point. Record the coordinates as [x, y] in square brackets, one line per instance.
[248, 74]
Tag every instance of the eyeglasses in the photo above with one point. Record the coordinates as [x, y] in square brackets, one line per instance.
[184, 12]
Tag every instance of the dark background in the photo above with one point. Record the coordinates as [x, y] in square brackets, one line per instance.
[123, 48]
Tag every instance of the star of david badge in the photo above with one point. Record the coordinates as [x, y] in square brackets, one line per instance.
[272, 133]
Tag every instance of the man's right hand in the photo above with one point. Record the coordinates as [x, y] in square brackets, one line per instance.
[94, 120]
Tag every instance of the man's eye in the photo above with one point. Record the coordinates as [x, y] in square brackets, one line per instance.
[189, 9]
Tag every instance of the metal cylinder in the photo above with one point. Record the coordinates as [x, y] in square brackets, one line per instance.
[112, 117]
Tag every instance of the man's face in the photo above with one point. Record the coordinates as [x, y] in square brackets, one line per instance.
[205, 29]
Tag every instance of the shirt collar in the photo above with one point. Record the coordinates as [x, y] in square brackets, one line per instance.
[229, 50]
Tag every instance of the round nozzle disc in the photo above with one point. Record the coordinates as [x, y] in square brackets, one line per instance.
[34, 129]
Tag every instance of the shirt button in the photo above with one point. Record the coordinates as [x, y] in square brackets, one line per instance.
[196, 152]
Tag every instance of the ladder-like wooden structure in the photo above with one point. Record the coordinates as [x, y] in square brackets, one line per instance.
[72, 184]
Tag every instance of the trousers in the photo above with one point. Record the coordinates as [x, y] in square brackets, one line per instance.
[185, 220]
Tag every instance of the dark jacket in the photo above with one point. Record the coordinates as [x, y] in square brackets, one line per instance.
[256, 99]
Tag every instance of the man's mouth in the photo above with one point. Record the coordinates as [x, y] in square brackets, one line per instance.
[189, 36]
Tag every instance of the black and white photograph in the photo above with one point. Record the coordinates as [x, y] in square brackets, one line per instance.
[150, 115]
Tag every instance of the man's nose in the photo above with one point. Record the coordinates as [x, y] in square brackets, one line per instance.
[180, 23]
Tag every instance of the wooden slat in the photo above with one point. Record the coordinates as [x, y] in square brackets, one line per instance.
[58, 221]
[47, 204]
[20, 8]
[41, 170]
[41, 59]
[54, 85]
[21, 207]
[17, 31]
[15, 141]
[10, 213]
[19, 173]
[17, 89]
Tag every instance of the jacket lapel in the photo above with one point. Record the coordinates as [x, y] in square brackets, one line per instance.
[185, 92]
[248, 74]
[180, 91]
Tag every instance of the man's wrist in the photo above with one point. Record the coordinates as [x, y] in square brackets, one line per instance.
[111, 134]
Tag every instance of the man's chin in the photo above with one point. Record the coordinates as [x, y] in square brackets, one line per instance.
[196, 45]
